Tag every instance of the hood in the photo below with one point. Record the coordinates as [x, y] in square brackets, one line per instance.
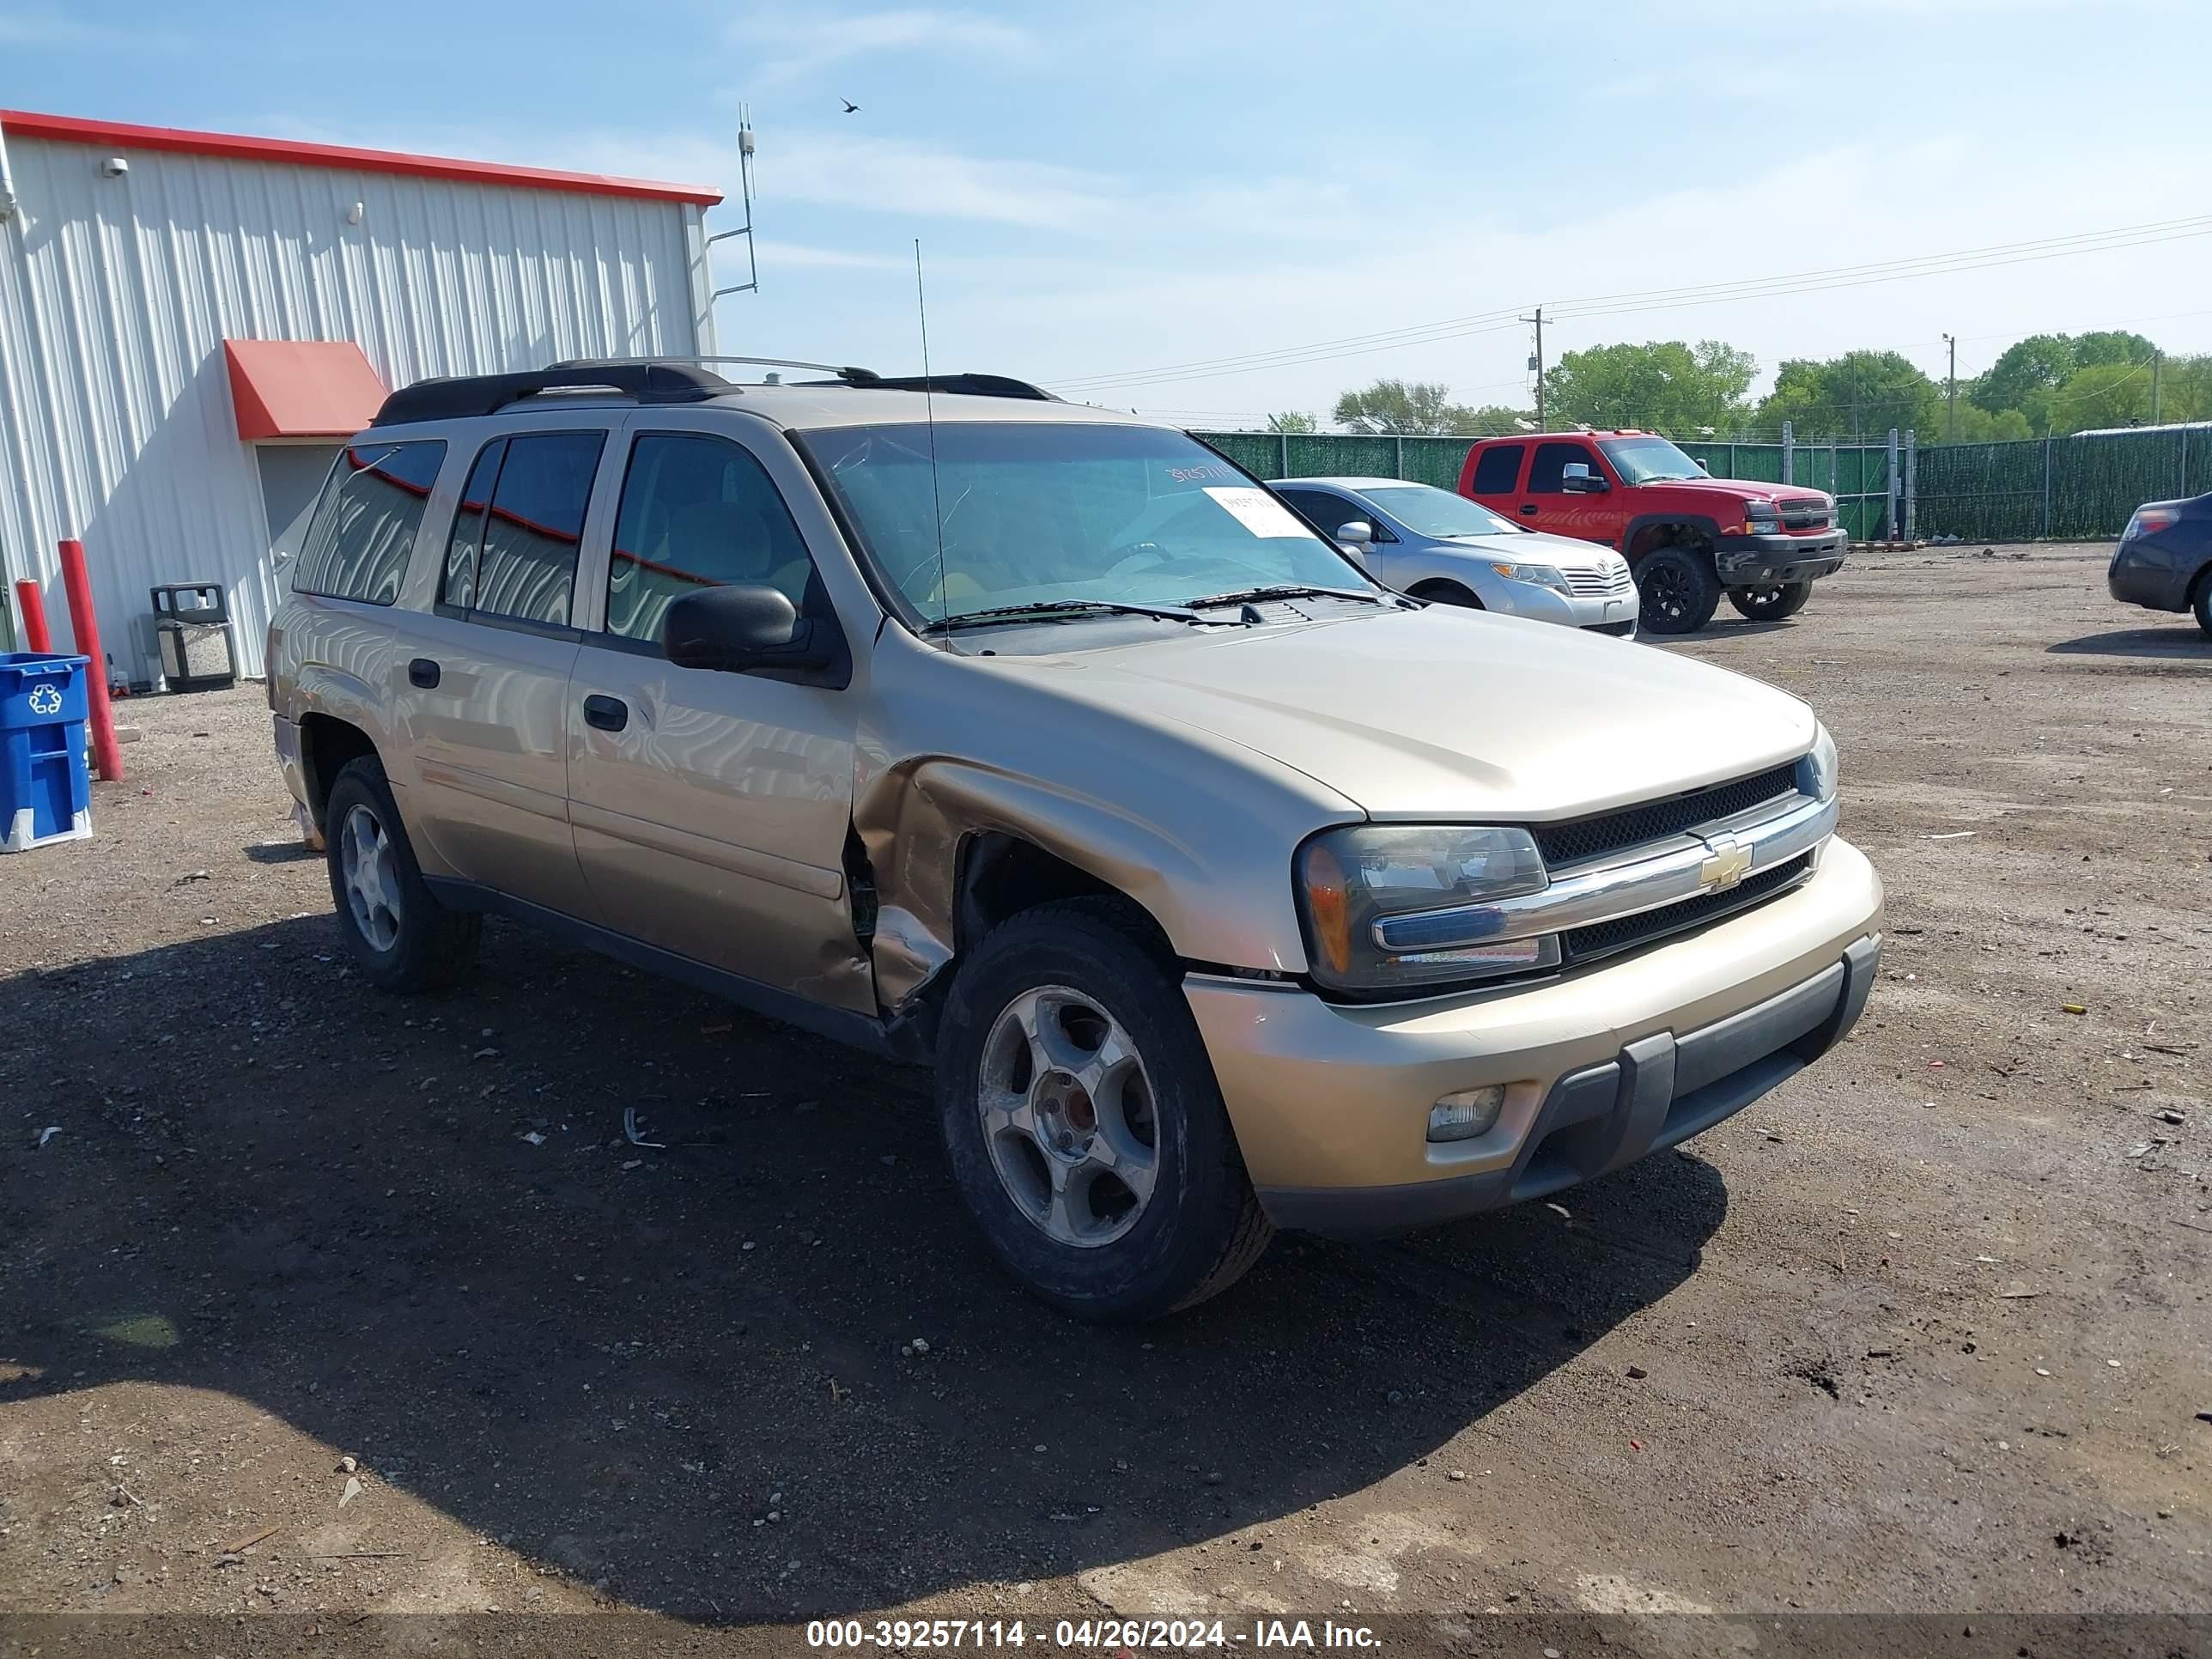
[1738, 490]
[1448, 713]
[1537, 547]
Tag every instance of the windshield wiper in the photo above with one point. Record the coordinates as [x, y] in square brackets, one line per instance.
[1048, 608]
[1287, 591]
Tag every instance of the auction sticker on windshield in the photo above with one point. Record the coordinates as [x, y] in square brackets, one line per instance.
[1257, 511]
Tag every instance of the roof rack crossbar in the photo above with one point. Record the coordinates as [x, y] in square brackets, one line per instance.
[646, 379]
[849, 375]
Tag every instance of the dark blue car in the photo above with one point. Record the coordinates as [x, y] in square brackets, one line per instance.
[2164, 561]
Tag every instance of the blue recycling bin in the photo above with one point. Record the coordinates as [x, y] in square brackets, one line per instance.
[44, 792]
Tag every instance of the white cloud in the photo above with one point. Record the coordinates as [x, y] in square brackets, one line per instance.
[802, 43]
[892, 175]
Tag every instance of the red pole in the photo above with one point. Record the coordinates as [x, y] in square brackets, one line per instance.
[35, 637]
[77, 581]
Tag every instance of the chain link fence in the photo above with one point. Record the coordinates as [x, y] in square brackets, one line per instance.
[2077, 489]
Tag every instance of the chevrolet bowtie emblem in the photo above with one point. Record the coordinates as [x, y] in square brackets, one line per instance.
[1728, 864]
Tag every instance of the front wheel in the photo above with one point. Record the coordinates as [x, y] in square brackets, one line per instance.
[2203, 605]
[1677, 590]
[1771, 602]
[1441, 592]
[1083, 1124]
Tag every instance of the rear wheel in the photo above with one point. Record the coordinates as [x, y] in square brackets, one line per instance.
[1083, 1123]
[1445, 592]
[399, 937]
[1677, 590]
[1773, 602]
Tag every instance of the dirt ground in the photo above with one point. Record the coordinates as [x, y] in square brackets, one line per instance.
[1925, 1330]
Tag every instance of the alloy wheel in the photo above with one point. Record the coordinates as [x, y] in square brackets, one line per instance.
[370, 877]
[1068, 1115]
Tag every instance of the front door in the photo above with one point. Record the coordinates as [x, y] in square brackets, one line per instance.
[1546, 504]
[711, 809]
[482, 686]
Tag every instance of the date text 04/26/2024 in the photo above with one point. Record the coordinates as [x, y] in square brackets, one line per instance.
[1111, 1635]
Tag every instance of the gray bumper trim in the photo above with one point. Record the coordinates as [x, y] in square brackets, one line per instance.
[1660, 1091]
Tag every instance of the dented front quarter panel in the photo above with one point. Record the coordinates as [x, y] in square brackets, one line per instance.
[1195, 828]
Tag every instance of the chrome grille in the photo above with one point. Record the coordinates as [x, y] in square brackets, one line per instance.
[1805, 514]
[1609, 832]
[1608, 583]
[1603, 938]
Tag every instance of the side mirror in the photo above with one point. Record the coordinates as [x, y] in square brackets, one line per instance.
[742, 629]
[1577, 479]
[1356, 532]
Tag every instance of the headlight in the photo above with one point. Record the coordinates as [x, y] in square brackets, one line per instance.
[1761, 516]
[1816, 773]
[1392, 908]
[1543, 575]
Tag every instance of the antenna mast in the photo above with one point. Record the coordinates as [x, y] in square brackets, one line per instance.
[929, 415]
[752, 285]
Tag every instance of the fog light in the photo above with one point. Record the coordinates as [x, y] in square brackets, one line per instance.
[1466, 1114]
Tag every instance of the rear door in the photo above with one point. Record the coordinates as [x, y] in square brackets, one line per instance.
[481, 683]
[711, 809]
[1497, 479]
[1546, 503]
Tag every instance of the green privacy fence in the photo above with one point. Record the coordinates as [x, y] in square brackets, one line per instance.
[2077, 488]
[2071, 488]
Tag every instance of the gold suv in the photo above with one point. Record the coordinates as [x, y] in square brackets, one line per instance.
[1222, 887]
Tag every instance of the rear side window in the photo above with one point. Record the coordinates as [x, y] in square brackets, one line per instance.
[363, 530]
[1496, 473]
[697, 513]
[1552, 460]
[520, 521]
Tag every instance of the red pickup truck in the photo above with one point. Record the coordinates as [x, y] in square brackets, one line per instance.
[1688, 538]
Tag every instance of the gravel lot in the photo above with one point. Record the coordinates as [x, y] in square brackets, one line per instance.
[1924, 1330]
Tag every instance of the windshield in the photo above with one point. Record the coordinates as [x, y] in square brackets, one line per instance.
[1042, 512]
[1427, 510]
[1649, 460]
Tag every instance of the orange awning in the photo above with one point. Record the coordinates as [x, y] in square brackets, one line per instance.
[301, 388]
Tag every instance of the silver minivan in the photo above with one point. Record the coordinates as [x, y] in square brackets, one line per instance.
[1441, 547]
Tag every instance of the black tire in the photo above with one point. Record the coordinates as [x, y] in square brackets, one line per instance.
[1200, 1227]
[424, 946]
[2203, 605]
[1772, 602]
[1677, 591]
[1441, 592]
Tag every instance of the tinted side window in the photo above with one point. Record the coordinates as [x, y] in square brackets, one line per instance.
[1330, 512]
[358, 545]
[1498, 470]
[458, 586]
[1551, 460]
[527, 567]
[697, 513]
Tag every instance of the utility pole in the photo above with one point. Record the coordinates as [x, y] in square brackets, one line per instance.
[1951, 393]
[2157, 363]
[1536, 363]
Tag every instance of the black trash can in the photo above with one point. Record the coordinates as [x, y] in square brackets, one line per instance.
[192, 636]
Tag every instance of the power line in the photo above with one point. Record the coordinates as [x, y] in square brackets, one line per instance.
[1660, 299]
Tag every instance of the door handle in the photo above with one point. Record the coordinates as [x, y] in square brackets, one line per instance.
[1530, 509]
[423, 673]
[608, 713]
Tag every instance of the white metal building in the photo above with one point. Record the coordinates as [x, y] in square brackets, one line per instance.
[149, 278]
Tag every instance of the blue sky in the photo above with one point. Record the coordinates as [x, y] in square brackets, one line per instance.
[1142, 187]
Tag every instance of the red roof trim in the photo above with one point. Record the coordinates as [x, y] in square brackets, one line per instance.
[73, 130]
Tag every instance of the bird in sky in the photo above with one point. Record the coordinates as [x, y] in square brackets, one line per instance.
[851, 108]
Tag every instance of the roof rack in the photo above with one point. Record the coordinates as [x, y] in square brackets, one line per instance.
[649, 380]
[964, 385]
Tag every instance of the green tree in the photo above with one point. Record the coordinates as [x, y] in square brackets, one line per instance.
[2103, 394]
[1496, 420]
[1664, 384]
[1397, 406]
[1294, 420]
[1861, 394]
[1976, 425]
[2025, 369]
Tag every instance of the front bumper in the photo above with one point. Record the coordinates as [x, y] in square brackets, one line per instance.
[1782, 558]
[1330, 1102]
[2144, 573]
[1541, 604]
